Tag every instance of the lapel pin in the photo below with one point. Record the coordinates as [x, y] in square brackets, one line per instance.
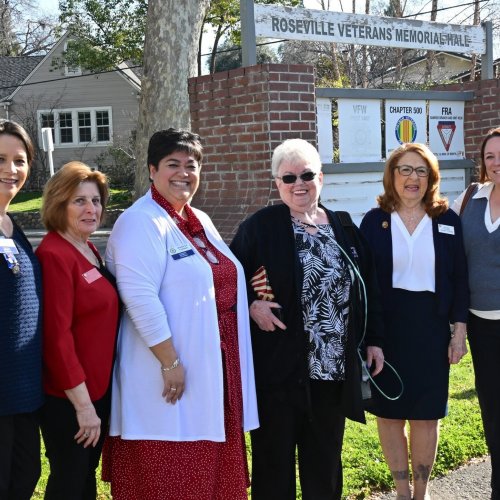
[385, 224]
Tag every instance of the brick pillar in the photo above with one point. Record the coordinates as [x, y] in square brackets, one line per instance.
[480, 115]
[242, 115]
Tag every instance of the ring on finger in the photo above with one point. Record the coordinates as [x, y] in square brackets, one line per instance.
[86, 434]
[173, 389]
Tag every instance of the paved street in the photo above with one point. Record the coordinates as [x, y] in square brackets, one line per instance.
[99, 238]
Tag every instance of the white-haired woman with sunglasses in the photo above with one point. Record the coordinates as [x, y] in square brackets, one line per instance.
[421, 268]
[315, 274]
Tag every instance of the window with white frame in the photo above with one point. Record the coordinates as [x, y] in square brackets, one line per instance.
[78, 127]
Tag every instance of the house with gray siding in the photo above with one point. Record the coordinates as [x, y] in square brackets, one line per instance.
[88, 112]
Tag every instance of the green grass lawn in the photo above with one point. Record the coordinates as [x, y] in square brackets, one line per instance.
[32, 201]
[364, 468]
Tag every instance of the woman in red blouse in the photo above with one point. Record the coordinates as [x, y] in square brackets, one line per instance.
[79, 330]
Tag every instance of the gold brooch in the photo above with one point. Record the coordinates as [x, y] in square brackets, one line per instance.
[385, 224]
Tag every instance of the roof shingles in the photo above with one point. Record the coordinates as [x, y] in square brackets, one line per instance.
[13, 71]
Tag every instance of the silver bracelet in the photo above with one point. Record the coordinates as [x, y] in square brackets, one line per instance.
[175, 364]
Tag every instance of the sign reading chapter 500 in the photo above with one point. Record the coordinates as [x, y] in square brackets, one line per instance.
[405, 121]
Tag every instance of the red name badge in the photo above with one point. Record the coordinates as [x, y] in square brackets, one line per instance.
[92, 275]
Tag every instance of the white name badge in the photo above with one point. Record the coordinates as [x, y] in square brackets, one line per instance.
[7, 245]
[443, 228]
[181, 251]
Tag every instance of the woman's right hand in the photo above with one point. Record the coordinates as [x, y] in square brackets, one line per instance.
[261, 312]
[90, 426]
[173, 378]
[89, 423]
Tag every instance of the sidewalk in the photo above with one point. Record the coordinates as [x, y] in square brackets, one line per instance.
[469, 482]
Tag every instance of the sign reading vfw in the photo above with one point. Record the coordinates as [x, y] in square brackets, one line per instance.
[359, 119]
[324, 26]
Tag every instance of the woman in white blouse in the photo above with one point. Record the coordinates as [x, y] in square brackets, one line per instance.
[421, 268]
[481, 220]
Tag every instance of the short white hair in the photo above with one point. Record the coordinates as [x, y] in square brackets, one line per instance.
[295, 151]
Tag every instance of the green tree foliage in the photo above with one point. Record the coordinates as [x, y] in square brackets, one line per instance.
[106, 32]
[229, 56]
[224, 17]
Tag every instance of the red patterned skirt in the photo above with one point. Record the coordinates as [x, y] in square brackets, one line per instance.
[187, 470]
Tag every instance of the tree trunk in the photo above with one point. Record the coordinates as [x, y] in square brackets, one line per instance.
[170, 58]
[477, 19]
[429, 63]
[364, 62]
[353, 74]
[200, 45]
[218, 35]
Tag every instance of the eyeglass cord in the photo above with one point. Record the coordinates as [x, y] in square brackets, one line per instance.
[363, 364]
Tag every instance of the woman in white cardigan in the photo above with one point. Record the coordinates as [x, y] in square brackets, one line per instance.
[183, 385]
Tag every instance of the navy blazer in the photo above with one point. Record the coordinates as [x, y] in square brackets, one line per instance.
[452, 287]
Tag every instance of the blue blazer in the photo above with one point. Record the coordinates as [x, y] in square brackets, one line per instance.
[452, 287]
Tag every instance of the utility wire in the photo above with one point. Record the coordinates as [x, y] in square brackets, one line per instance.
[223, 50]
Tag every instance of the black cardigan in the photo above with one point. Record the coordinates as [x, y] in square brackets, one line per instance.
[280, 357]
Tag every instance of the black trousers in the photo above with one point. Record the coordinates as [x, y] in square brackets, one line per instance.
[19, 455]
[484, 341]
[72, 467]
[288, 423]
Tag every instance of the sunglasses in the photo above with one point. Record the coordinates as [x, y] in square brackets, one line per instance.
[291, 178]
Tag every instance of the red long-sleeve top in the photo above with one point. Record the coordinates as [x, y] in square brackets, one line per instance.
[80, 317]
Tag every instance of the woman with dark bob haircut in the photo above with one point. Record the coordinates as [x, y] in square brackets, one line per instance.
[183, 388]
[80, 321]
[21, 328]
[420, 261]
[481, 222]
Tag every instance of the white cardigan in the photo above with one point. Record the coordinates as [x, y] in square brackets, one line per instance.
[166, 298]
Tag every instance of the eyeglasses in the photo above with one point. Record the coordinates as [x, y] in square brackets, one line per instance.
[407, 170]
[291, 178]
[210, 256]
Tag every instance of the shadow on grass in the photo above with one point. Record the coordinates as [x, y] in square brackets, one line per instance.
[465, 394]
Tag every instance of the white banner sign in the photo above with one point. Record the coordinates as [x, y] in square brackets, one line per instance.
[405, 121]
[360, 137]
[325, 26]
[446, 129]
[325, 129]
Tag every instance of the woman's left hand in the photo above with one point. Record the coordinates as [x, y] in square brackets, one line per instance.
[376, 354]
[457, 347]
[173, 384]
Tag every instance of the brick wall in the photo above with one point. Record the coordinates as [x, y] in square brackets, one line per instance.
[481, 114]
[242, 115]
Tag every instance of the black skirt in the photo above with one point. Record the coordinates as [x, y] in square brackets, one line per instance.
[416, 346]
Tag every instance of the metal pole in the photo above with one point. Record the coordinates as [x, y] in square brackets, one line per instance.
[487, 58]
[51, 163]
[248, 39]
